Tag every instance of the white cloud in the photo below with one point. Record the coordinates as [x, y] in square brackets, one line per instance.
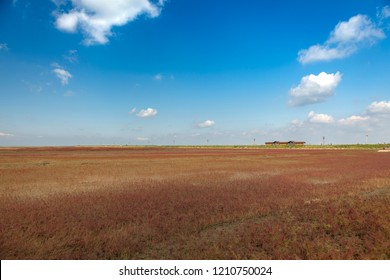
[323, 53]
[3, 134]
[377, 113]
[319, 118]
[373, 121]
[296, 122]
[69, 22]
[206, 124]
[379, 108]
[96, 18]
[357, 29]
[147, 113]
[346, 38]
[63, 75]
[352, 120]
[142, 139]
[314, 89]
[56, 65]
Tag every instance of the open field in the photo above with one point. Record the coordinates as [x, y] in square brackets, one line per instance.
[194, 203]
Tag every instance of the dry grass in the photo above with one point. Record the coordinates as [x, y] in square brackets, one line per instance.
[167, 203]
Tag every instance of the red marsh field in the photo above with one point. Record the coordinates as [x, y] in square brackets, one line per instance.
[194, 203]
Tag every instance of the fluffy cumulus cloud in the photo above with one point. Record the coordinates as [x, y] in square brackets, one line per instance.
[346, 38]
[377, 113]
[379, 108]
[374, 120]
[96, 18]
[147, 113]
[63, 75]
[319, 118]
[206, 124]
[314, 89]
[353, 120]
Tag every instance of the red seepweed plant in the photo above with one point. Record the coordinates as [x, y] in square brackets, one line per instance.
[193, 203]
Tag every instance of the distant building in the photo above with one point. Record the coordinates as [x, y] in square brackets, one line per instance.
[289, 143]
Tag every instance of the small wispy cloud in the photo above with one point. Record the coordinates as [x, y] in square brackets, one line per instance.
[346, 38]
[71, 56]
[62, 74]
[158, 77]
[35, 88]
[58, 3]
[132, 111]
[3, 134]
[69, 93]
[205, 124]
[147, 113]
[314, 89]
[3, 47]
[143, 139]
[383, 13]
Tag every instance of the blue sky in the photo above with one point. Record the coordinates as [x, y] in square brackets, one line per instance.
[193, 72]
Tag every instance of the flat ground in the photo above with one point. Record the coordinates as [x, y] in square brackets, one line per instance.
[194, 203]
